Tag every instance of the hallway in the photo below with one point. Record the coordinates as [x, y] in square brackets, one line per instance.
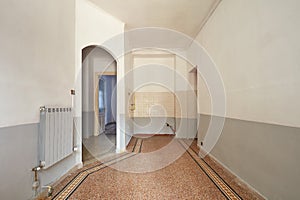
[223, 72]
[189, 177]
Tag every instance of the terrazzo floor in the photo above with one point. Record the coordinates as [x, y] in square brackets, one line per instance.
[130, 175]
[95, 147]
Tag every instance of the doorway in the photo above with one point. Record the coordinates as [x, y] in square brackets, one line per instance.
[107, 104]
[99, 72]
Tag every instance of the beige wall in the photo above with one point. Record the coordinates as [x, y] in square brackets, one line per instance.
[154, 104]
[153, 89]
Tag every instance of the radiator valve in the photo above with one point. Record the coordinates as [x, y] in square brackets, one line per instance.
[75, 148]
[49, 190]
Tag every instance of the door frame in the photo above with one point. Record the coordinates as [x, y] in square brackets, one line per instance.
[97, 77]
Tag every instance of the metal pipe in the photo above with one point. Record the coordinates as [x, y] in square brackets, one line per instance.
[49, 190]
[36, 182]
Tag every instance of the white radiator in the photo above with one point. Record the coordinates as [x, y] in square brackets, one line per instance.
[55, 135]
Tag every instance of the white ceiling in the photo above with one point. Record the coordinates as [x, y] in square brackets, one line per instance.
[186, 16]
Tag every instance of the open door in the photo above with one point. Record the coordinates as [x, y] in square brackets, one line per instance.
[101, 103]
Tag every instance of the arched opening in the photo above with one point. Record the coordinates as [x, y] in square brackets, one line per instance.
[99, 105]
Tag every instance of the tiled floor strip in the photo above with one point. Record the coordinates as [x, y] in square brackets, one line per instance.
[135, 143]
[73, 185]
[228, 192]
[191, 146]
[138, 146]
[67, 191]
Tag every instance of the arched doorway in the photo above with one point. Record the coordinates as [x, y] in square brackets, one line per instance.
[99, 75]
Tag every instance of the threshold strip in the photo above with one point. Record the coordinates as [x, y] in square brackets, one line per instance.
[228, 192]
[138, 146]
[136, 140]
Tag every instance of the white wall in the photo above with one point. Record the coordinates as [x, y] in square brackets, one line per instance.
[96, 27]
[152, 62]
[255, 47]
[36, 58]
[37, 61]
[40, 57]
[171, 71]
[95, 62]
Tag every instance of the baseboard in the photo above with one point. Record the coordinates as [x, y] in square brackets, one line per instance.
[203, 153]
[128, 141]
[153, 134]
[78, 166]
[43, 192]
[230, 171]
[73, 169]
